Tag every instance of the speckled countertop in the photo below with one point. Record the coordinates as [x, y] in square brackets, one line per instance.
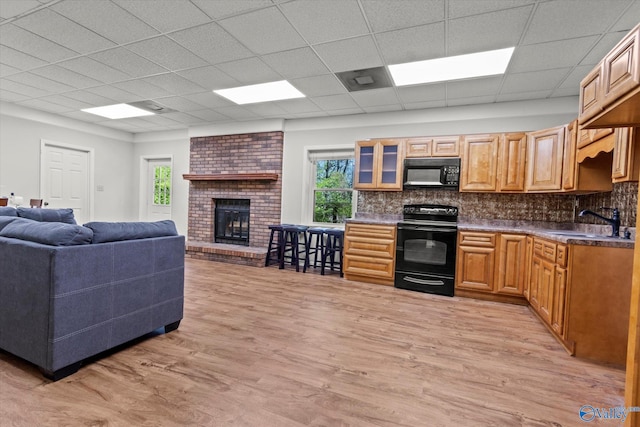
[569, 233]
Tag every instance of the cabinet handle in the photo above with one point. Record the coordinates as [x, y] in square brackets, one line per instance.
[423, 282]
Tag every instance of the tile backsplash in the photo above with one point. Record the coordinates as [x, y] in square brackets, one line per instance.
[523, 207]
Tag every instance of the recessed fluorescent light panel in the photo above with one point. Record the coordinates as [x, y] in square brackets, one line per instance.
[118, 111]
[452, 68]
[264, 92]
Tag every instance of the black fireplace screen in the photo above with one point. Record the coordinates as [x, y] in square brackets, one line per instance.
[231, 218]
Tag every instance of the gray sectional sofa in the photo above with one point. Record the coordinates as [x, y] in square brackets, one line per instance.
[69, 292]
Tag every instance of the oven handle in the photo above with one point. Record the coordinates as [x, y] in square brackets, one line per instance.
[422, 228]
[423, 282]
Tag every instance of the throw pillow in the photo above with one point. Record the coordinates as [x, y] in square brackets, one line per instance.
[48, 233]
[8, 211]
[48, 215]
[117, 231]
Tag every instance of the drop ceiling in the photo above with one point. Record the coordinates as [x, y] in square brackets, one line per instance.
[65, 55]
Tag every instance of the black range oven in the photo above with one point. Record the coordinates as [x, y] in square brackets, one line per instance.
[426, 249]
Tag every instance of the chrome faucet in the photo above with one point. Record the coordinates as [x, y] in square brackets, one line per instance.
[614, 221]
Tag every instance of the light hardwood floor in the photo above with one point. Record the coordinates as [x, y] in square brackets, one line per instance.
[265, 347]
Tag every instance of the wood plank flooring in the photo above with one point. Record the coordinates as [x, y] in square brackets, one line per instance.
[265, 347]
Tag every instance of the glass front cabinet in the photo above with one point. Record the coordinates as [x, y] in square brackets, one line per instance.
[379, 164]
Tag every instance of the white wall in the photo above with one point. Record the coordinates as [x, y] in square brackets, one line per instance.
[21, 131]
[344, 131]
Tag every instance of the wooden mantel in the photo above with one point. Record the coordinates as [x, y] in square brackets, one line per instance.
[231, 177]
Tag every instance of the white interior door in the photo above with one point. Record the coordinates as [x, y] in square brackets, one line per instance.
[65, 180]
[158, 189]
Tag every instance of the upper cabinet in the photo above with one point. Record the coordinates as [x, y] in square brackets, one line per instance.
[610, 94]
[626, 155]
[512, 161]
[379, 164]
[479, 169]
[440, 146]
[544, 158]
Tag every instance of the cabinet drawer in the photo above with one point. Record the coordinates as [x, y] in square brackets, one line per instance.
[418, 147]
[561, 255]
[369, 267]
[372, 247]
[376, 231]
[549, 251]
[471, 238]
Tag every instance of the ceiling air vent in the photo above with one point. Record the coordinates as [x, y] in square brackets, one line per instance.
[152, 106]
[369, 78]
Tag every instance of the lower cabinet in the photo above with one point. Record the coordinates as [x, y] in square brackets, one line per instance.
[491, 264]
[369, 253]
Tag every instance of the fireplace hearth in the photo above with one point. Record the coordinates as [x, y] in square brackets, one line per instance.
[231, 219]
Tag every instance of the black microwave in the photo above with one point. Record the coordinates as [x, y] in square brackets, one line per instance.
[435, 172]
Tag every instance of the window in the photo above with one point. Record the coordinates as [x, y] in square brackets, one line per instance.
[162, 185]
[333, 200]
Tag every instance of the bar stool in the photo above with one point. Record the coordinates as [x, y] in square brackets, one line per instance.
[275, 244]
[291, 244]
[314, 247]
[333, 246]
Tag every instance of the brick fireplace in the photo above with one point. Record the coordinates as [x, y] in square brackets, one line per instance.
[234, 167]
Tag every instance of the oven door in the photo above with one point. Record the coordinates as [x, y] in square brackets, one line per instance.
[426, 249]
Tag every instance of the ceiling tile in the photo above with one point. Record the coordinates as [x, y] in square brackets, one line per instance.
[7, 70]
[421, 93]
[22, 40]
[237, 113]
[588, 17]
[629, 18]
[296, 63]
[8, 96]
[71, 104]
[63, 31]
[81, 115]
[40, 82]
[345, 112]
[167, 53]
[26, 90]
[334, 102]
[209, 115]
[249, 71]
[425, 105]
[298, 105]
[210, 100]
[534, 81]
[18, 59]
[223, 8]
[266, 109]
[567, 91]
[165, 15]
[39, 104]
[474, 34]
[557, 54]
[373, 97]
[573, 79]
[521, 96]
[117, 94]
[460, 8]
[68, 77]
[412, 44]
[396, 14]
[263, 31]
[209, 78]
[142, 88]
[179, 103]
[350, 54]
[382, 108]
[319, 85]
[97, 70]
[106, 19]
[174, 83]
[322, 21]
[90, 98]
[473, 87]
[471, 100]
[128, 62]
[604, 45]
[199, 41]
[11, 8]
[182, 118]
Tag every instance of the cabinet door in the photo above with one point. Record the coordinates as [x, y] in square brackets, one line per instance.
[389, 165]
[535, 276]
[569, 167]
[512, 161]
[559, 298]
[365, 163]
[475, 268]
[527, 275]
[446, 146]
[621, 69]
[591, 95]
[626, 156]
[545, 290]
[511, 264]
[544, 159]
[418, 147]
[479, 163]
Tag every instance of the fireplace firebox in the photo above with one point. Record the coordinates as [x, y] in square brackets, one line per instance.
[231, 219]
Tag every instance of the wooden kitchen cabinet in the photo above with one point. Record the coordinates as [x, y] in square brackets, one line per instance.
[479, 169]
[475, 261]
[544, 159]
[369, 253]
[610, 93]
[626, 155]
[511, 265]
[512, 161]
[440, 146]
[379, 164]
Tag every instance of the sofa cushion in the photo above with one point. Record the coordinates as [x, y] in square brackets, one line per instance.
[117, 231]
[48, 233]
[48, 215]
[4, 220]
[8, 211]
